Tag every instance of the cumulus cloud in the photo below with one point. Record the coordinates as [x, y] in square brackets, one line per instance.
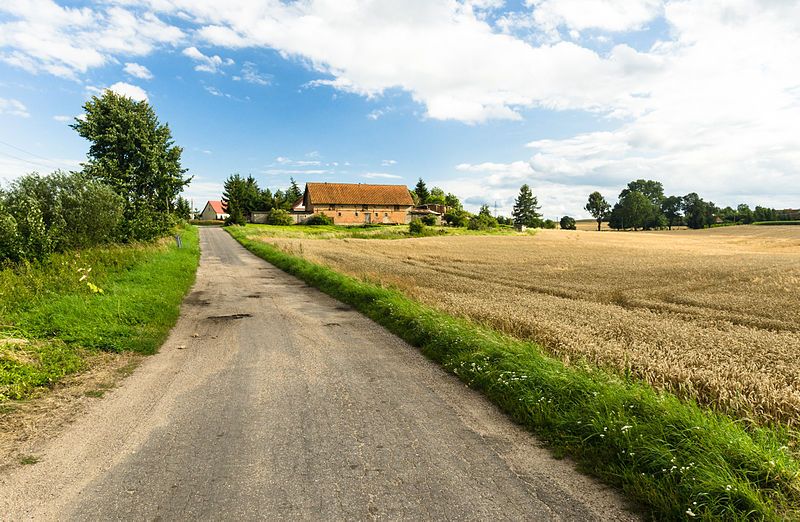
[42, 36]
[608, 15]
[134, 92]
[13, 107]
[209, 64]
[138, 71]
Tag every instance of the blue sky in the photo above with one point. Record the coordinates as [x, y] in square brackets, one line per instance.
[477, 96]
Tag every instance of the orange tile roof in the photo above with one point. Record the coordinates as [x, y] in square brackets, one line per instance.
[218, 207]
[358, 194]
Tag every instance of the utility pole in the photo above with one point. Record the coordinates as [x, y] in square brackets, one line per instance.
[495, 208]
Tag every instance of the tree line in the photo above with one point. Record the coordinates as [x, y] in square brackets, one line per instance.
[242, 196]
[128, 189]
[643, 205]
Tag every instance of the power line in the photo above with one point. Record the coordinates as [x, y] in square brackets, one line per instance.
[25, 151]
[27, 161]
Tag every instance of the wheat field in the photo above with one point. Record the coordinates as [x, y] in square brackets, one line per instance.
[713, 315]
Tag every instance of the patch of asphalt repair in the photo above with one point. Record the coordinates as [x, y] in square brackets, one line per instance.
[273, 413]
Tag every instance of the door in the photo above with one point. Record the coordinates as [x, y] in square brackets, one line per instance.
[368, 217]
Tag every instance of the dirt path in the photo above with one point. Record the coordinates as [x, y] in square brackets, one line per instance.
[271, 400]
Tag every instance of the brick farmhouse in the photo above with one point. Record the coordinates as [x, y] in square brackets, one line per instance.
[355, 203]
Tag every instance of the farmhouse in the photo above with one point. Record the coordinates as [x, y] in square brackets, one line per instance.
[214, 210]
[355, 203]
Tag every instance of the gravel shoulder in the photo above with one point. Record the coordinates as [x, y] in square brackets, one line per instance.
[272, 400]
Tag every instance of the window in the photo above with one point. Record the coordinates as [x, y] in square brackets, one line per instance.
[356, 212]
[340, 214]
[377, 213]
[385, 214]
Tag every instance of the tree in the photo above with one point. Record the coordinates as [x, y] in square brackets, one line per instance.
[416, 227]
[456, 217]
[694, 209]
[567, 223]
[635, 208]
[764, 214]
[241, 196]
[525, 208]
[182, 208]
[484, 211]
[421, 190]
[134, 154]
[482, 222]
[437, 197]
[671, 208]
[452, 201]
[744, 214]
[293, 193]
[598, 207]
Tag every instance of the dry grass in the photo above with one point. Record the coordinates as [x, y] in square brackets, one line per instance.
[711, 314]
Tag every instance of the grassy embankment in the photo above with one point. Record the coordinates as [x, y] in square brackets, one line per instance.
[55, 314]
[365, 231]
[678, 459]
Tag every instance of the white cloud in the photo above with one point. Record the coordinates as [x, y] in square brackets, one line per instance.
[63, 118]
[381, 175]
[209, 64]
[13, 107]
[250, 74]
[138, 71]
[131, 91]
[42, 36]
[578, 15]
[388, 163]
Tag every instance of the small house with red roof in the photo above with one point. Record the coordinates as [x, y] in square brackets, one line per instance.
[214, 210]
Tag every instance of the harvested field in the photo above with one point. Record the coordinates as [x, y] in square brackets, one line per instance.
[711, 314]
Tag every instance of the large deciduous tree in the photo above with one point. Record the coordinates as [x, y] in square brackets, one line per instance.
[132, 152]
[598, 207]
[671, 208]
[526, 208]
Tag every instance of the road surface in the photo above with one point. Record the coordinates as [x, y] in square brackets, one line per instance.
[271, 400]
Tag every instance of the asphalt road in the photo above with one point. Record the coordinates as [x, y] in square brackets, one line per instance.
[271, 400]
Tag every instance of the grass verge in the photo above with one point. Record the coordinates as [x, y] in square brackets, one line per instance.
[113, 298]
[678, 459]
[366, 231]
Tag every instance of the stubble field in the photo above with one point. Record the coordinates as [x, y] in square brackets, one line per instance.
[713, 315]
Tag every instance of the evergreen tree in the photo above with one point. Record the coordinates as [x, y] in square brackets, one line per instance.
[293, 193]
[421, 190]
[525, 208]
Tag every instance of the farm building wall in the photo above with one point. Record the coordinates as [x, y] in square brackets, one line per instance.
[360, 214]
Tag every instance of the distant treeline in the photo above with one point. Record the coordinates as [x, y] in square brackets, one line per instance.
[643, 205]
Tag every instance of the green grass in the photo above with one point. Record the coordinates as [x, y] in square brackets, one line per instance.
[114, 298]
[670, 455]
[364, 231]
[763, 223]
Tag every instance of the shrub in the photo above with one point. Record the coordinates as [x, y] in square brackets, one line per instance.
[456, 218]
[567, 223]
[236, 217]
[44, 214]
[549, 223]
[416, 227]
[319, 219]
[429, 219]
[482, 222]
[278, 216]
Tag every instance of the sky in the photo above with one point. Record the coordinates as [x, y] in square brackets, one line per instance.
[475, 96]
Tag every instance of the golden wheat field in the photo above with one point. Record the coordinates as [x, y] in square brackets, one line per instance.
[711, 314]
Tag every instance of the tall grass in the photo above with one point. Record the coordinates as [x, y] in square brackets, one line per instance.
[364, 231]
[114, 298]
[676, 458]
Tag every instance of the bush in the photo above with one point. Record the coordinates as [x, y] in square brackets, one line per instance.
[319, 219]
[482, 222]
[456, 218]
[429, 219]
[40, 215]
[416, 227]
[278, 216]
[549, 223]
[236, 217]
[567, 223]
